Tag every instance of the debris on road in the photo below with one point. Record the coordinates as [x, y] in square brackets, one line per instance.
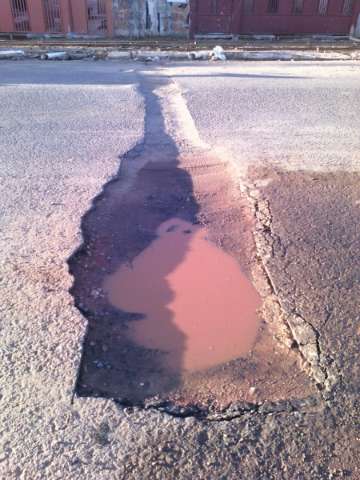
[55, 56]
[11, 54]
[218, 53]
[152, 59]
[179, 51]
[118, 55]
[200, 55]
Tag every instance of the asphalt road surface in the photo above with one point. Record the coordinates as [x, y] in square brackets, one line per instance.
[290, 133]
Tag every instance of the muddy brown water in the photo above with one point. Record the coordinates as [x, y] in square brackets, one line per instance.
[197, 305]
[142, 348]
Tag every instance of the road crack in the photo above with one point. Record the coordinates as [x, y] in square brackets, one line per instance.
[232, 411]
[293, 330]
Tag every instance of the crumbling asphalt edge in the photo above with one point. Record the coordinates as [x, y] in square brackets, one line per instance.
[290, 328]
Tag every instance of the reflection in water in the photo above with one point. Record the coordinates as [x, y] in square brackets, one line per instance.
[198, 305]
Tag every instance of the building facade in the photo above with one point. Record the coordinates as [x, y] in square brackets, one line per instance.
[277, 17]
[96, 17]
[139, 18]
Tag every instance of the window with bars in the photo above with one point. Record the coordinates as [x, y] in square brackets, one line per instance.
[52, 12]
[248, 7]
[273, 6]
[348, 7]
[97, 21]
[20, 15]
[298, 7]
[323, 6]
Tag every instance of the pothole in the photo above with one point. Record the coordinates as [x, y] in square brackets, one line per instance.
[166, 278]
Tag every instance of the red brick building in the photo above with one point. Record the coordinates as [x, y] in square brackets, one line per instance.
[180, 17]
[279, 17]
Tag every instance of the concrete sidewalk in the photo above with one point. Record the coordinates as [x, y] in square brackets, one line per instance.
[261, 48]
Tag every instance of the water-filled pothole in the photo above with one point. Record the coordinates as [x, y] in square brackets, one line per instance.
[195, 303]
[185, 344]
[138, 348]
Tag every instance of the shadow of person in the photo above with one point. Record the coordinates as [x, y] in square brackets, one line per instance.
[145, 287]
[124, 222]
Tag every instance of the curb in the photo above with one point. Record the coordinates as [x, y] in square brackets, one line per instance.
[157, 56]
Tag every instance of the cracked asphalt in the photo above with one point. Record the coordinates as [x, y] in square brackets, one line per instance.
[290, 131]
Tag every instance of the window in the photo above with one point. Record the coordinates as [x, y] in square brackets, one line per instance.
[52, 13]
[248, 7]
[348, 7]
[323, 5]
[298, 7]
[147, 16]
[273, 6]
[20, 15]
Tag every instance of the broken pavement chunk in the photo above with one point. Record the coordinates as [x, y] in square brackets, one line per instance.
[218, 53]
[55, 56]
[11, 54]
